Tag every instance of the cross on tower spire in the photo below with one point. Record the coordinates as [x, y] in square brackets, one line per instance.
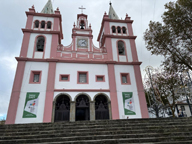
[82, 8]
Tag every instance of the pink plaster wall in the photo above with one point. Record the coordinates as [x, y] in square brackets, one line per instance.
[113, 91]
[108, 44]
[55, 38]
[132, 42]
[56, 24]
[133, 50]
[130, 30]
[49, 92]
[54, 45]
[11, 114]
[25, 44]
[29, 22]
[141, 94]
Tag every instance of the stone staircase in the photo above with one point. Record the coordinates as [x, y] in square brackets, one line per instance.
[148, 131]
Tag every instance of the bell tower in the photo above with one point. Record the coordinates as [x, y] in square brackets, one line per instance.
[82, 35]
[41, 36]
[116, 35]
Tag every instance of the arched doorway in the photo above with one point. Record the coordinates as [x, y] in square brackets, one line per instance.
[62, 108]
[101, 107]
[82, 108]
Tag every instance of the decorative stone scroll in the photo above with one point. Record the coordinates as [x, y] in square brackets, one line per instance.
[60, 47]
[104, 49]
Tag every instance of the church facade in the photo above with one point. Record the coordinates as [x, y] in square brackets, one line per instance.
[80, 81]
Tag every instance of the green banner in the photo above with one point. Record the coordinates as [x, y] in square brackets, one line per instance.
[31, 105]
[128, 103]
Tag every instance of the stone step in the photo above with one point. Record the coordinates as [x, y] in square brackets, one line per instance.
[118, 142]
[100, 122]
[105, 139]
[144, 134]
[100, 127]
[96, 132]
[156, 129]
[172, 130]
[88, 125]
[180, 142]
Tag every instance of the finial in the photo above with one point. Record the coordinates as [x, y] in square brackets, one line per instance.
[127, 17]
[33, 7]
[105, 13]
[57, 8]
[74, 25]
[90, 25]
[110, 3]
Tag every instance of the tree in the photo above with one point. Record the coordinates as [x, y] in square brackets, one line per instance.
[163, 86]
[155, 107]
[172, 38]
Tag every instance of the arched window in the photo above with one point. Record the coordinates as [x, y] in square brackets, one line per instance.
[82, 25]
[40, 43]
[124, 30]
[36, 24]
[121, 48]
[43, 24]
[48, 25]
[113, 29]
[119, 29]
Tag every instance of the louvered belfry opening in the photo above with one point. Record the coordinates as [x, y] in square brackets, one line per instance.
[82, 25]
[82, 108]
[101, 108]
[40, 44]
[62, 108]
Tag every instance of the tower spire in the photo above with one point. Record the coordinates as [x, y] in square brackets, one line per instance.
[112, 14]
[48, 8]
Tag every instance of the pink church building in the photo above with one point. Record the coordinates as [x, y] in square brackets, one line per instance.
[80, 81]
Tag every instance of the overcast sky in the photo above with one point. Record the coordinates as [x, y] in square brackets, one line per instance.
[13, 18]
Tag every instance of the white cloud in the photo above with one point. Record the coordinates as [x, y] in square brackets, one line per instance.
[9, 63]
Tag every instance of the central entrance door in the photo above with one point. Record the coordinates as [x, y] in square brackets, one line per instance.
[82, 108]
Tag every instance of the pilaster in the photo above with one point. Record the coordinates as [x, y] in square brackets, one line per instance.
[25, 44]
[109, 107]
[13, 105]
[113, 92]
[49, 92]
[72, 111]
[141, 94]
[92, 110]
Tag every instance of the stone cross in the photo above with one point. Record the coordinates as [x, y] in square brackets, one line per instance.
[82, 8]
